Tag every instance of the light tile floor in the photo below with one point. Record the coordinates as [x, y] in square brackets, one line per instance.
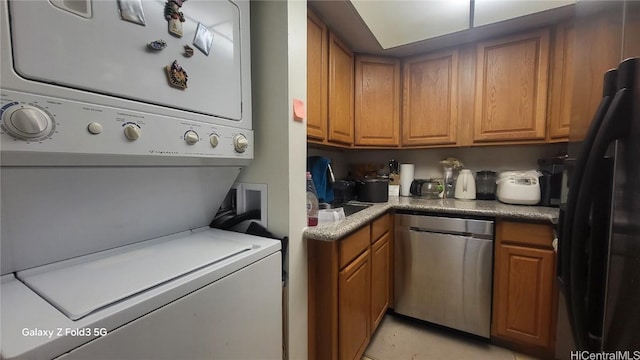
[399, 339]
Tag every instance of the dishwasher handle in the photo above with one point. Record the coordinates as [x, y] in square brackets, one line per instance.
[446, 225]
[454, 233]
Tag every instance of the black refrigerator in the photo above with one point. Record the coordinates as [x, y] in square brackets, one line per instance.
[599, 225]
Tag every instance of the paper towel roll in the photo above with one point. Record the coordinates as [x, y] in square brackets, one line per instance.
[406, 177]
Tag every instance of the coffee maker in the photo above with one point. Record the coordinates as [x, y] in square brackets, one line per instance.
[551, 180]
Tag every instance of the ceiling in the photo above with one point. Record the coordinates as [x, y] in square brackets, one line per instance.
[407, 27]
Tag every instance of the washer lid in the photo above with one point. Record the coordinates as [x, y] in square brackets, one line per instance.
[80, 286]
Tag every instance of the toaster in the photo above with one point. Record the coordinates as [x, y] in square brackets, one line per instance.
[518, 187]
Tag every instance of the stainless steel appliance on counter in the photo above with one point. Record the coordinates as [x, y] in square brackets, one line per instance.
[442, 271]
[599, 238]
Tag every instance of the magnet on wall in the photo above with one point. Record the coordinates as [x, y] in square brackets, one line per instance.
[176, 75]
[174, 16]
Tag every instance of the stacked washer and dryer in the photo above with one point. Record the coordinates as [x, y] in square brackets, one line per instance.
[121, 132]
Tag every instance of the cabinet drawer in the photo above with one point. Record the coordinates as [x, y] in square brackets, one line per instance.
[353, 245]
[380, 226]
[525, 233]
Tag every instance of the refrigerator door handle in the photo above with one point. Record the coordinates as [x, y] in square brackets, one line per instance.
[614, 126]
[609, 83]
[576, 181]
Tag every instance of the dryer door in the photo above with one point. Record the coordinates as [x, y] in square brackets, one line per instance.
[94, 49]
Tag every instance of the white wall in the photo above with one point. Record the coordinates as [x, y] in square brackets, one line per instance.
[298, 288]
[427, 161]
[279, 67]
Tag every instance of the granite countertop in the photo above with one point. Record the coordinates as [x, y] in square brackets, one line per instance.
[484, 208]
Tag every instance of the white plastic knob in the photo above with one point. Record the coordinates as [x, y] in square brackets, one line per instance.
[131, 132]
[191, 137]
[240, 143]
[27, 122]
[214, 140]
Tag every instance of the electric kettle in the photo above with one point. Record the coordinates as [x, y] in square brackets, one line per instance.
[465, 185]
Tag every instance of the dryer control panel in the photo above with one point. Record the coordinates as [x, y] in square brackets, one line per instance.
[41, 124]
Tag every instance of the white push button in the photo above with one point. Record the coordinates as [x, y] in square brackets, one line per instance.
[95, 128]
[213, 140]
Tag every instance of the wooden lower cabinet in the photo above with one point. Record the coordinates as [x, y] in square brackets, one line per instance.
[353, 307]
[524, 293]
[380, 276]
[349, 289]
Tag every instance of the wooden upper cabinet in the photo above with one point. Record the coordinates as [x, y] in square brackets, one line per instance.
[430, 99]
[317, 78]
[562, 75]
[512, 76]
[341, 94]
[597, 49]
[377, 102]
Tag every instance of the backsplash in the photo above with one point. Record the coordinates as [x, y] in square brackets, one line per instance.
[427, 161]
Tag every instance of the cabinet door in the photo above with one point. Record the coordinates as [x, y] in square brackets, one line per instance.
[511, 88]
[597, 49]
[377, 103]
[354, 308]
[317, 78]
[430, 101]
[380, 277]
[340, 91]
[523, 296]
[561, 93]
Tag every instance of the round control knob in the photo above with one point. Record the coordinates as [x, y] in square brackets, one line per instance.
[95, 128]
[27, 122]
[132, 132]
[191, 137]
[214, 140]
[240, 143]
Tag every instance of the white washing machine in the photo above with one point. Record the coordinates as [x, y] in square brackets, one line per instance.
[112, 164]
[206, 293]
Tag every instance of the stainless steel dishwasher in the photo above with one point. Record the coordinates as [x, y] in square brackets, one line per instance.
[443, 271]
